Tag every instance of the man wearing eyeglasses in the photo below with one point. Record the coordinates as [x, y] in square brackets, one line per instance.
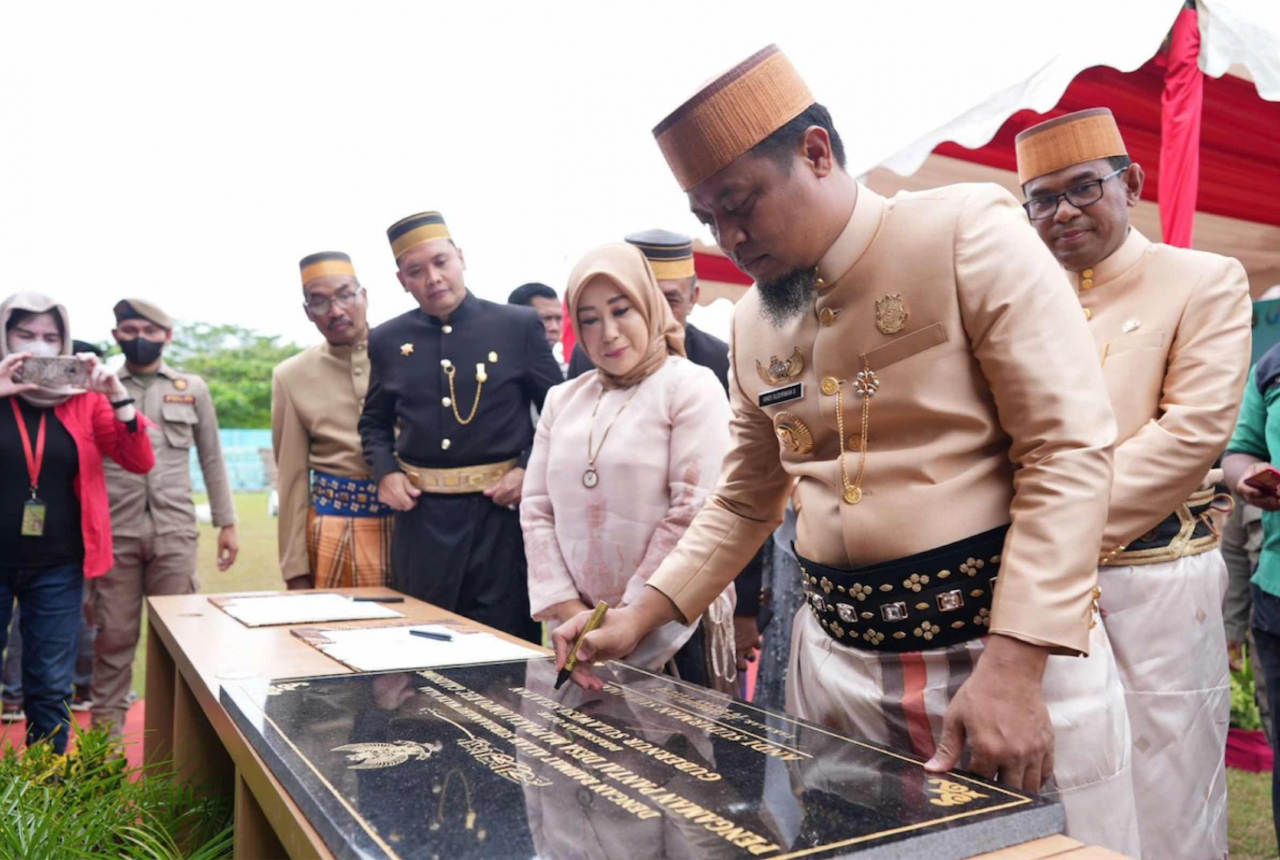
[1173, 333]
[334, 533]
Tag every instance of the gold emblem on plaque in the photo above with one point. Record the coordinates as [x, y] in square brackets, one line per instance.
[792, 433]
[288, 686]
[780, 371]
[378, 755]
[892, 313]
[951, 793]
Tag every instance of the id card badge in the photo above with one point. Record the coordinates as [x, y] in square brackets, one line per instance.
[33, 511]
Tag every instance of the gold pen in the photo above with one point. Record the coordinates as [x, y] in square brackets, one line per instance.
[572, 663]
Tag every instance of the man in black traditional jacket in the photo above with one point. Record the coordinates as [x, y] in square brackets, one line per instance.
[456, 377]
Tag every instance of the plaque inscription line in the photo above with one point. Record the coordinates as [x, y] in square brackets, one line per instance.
[816, 728]
[630, 692]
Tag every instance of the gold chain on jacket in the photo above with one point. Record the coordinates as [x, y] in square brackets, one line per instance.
[481, 378]
[866, 384]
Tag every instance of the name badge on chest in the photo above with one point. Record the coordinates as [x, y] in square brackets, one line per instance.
[785, 394]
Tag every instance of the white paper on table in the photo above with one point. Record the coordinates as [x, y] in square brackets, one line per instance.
[373, 649]
[303, 609]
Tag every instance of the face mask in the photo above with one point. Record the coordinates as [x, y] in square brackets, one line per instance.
[38, 348]
[140, 351]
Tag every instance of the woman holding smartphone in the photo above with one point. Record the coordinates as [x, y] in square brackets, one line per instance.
[55, 521]
[623, 458]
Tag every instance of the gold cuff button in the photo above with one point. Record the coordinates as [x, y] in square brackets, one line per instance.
[1088, 273]
[827, 316]
[830, 385]
[1086, 284]
[1088, 314]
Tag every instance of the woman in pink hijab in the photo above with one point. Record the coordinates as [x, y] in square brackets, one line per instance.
[623, 459]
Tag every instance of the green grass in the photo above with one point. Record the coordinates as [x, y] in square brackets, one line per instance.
[1251, 833]
[257, 568]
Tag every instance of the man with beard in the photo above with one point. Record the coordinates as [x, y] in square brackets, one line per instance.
[1172, 327]
[446, 431]
[153, 517]
[920, 369]
[333, 531]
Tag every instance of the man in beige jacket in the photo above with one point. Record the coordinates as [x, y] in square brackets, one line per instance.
[919, 367]
[1172, 328]
[333, 531]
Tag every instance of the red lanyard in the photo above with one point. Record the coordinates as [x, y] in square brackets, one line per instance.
[36, 460]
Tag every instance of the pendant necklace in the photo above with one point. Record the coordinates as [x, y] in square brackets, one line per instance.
[591, 477]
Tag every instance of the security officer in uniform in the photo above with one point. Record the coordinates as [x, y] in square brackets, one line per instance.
[153, 517]
[456, 376]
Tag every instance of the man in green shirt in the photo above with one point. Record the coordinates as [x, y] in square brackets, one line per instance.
[1254, 446]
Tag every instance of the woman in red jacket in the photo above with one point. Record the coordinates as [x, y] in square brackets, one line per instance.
[55, 522]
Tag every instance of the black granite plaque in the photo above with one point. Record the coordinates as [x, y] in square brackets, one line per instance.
[488, 761]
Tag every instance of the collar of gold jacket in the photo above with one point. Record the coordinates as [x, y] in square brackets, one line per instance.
[1121, 261]
[854, 239]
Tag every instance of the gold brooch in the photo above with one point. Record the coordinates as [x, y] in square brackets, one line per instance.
[406, 349]
[891, 314]
[792, 433]
[780, 371]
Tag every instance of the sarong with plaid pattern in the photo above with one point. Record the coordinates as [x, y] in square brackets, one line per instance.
[349, 552]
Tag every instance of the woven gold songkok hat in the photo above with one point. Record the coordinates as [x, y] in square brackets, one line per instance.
[730, 115]
[325, 263]
[1074, 138]
[670, 255]
[416, 229]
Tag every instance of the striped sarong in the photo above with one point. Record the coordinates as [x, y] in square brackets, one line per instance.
[899, 700]
[349, 552]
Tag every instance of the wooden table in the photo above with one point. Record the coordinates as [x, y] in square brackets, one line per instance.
[190, 642]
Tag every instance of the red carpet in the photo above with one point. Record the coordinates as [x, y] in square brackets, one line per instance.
[1248, 750]
[14, 734]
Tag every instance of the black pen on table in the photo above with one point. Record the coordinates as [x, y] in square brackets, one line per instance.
[571, 663]
[378, 598]
[431, 634]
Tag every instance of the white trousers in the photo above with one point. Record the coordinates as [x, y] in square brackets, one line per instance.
[1165, 624]
[899, 700]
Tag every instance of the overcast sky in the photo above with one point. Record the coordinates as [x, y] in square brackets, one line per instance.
[192, 153]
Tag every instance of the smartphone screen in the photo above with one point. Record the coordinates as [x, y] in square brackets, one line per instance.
[1266, 480]
[56, 372]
